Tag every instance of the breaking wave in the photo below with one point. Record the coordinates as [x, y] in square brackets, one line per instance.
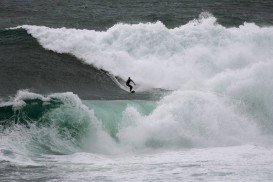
[186, 57]
[63, 124]
[221, 80]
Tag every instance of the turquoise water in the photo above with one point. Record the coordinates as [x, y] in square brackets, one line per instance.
[110, 113]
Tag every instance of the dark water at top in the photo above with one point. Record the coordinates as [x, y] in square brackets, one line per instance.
[25, 64]
[101, 14]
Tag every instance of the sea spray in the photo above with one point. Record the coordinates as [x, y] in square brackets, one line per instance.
[188, 119]
[185, 57]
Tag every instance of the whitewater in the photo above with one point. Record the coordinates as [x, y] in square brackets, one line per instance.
[212, 123]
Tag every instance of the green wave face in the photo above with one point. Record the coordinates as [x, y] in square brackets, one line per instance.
[57, 124]
[110, 113]
[63, 124]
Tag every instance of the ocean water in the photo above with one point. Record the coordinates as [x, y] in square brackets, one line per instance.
[202, 110]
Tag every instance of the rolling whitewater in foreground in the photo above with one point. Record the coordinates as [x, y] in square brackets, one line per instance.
[202, 111]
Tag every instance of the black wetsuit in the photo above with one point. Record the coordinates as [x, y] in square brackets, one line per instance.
[128, 84]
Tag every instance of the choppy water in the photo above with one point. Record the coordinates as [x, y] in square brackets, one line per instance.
[203, 104]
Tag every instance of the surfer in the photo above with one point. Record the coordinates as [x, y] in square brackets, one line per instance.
[128, 84]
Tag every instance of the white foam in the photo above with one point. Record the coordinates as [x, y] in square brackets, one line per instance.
[238, 163]
[188, 119]
[157, 57]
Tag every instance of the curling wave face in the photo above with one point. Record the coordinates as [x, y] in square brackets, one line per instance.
[32, 124]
